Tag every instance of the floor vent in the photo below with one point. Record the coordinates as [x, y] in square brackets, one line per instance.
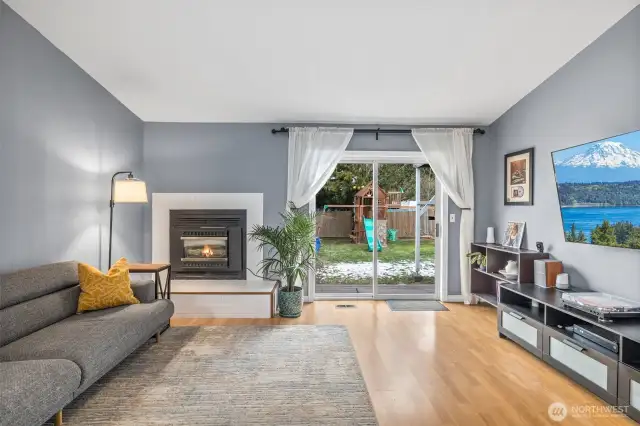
[345, 306]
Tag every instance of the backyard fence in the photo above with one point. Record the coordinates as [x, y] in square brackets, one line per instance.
[338, 224]
[334, 224]
[405, 223]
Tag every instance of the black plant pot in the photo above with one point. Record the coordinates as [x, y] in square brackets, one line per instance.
[290, 302]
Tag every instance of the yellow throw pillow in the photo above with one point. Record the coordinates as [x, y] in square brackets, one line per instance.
[101, 291]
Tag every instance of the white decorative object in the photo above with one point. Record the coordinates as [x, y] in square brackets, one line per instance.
[512, 267]
[491, 235]
[449, 152]
[562, 281]
[314, 153]
[507, 275]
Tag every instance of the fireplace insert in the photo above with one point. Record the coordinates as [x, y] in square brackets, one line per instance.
[208, 244]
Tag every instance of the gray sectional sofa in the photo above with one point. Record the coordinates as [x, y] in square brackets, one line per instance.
[49, 354]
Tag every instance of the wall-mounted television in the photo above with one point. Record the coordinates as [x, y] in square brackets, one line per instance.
[599, 191]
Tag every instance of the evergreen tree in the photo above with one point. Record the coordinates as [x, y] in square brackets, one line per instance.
[571, 236]
[623, 231]
[604, 234]
[634, 239]
[581, 237]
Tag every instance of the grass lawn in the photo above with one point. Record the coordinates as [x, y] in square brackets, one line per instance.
[342, 262]
[339, 250]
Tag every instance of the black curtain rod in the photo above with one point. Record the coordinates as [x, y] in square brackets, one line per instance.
[377, 131]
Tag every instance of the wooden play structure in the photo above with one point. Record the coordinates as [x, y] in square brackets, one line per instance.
[341, 223]
[363, 203]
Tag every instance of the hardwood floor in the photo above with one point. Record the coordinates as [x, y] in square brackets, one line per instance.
[439, 368]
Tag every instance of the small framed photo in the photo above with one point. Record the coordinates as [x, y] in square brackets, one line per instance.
[518, 178]
[513, 235]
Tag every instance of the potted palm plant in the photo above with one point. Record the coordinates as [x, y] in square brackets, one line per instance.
[290, 254]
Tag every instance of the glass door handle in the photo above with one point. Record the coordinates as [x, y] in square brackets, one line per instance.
[437, 230]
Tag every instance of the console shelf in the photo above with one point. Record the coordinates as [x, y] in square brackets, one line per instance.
[489, 298]
[535, 318]
[484, 284]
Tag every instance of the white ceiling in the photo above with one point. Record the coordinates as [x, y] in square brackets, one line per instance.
[334, 61]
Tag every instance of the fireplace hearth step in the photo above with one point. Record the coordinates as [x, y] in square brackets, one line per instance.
[224, 298]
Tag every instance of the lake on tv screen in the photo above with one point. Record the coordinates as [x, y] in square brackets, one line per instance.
[587, 218]
[599, 191]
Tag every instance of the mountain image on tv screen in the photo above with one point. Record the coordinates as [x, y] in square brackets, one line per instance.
[599, 191]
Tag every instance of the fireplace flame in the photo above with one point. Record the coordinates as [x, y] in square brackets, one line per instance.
[207, 251]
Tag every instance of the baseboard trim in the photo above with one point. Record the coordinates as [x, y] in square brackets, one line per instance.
[454, 298]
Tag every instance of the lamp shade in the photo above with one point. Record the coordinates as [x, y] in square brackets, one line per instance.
[130, 190]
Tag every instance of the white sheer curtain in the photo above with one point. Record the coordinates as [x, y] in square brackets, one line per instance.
[314, 153]
[449, 152]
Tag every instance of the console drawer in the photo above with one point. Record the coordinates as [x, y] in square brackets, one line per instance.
[590, 368]
[629, 390]
[523, 330]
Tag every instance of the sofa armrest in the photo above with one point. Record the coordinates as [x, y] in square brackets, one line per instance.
[144, 290]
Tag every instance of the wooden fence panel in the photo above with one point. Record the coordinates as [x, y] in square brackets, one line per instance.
[336, 224]
[405, 223]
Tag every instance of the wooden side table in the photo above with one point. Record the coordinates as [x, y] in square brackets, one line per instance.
[155, 269]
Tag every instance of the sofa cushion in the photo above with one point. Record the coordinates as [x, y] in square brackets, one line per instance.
[96, 341]
[25, 318]
[32, 391]
[31, 283]
[144, 290]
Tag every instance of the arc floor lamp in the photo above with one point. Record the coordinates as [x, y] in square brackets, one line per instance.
[128, 190]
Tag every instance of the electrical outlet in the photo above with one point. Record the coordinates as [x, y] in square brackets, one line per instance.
[452, 217]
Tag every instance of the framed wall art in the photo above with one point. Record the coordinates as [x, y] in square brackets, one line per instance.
[518, 178]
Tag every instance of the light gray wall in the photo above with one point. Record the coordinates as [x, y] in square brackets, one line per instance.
[193, 157]
[594, 96]
[485, 168]
[61, 137]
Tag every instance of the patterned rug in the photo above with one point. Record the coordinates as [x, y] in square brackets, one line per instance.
[228, 375]
[416, 305]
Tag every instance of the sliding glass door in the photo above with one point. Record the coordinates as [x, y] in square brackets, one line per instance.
[376, 223]
[406, 231]
[344, 265]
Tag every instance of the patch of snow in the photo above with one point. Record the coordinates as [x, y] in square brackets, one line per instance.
[385, 269]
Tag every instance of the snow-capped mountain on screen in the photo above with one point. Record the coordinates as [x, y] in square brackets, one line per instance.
[603, 162]
[604, 154]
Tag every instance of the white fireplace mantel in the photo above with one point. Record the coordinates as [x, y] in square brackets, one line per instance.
[163, 203]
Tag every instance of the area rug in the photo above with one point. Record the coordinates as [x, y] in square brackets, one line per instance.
[233, 375]
[416, 305]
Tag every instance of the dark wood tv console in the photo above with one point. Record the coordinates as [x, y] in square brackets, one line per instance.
[535, 318]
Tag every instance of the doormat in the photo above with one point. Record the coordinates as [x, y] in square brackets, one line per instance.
[415, 305]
